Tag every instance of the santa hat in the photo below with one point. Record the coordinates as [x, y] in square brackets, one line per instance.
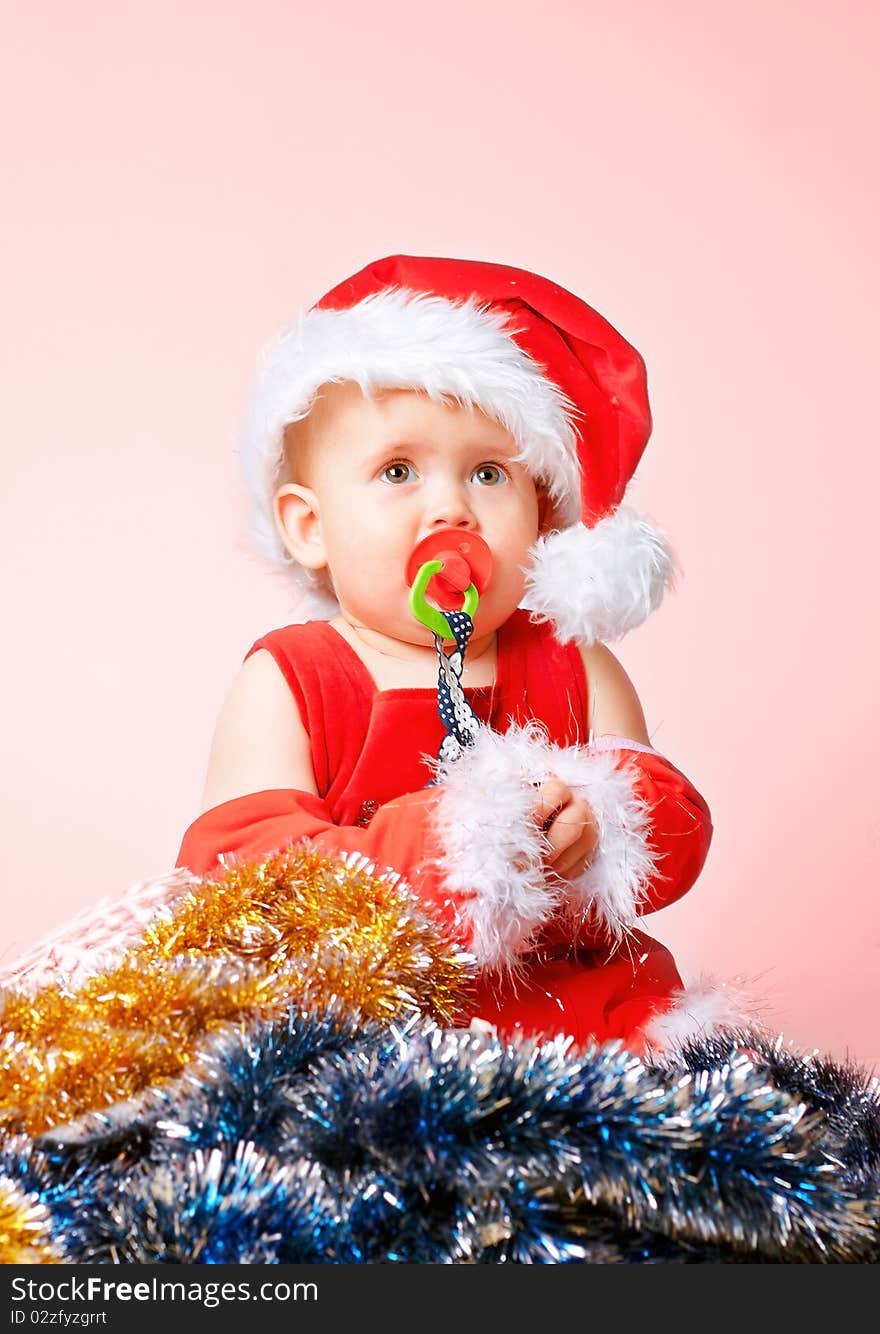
[532, 356]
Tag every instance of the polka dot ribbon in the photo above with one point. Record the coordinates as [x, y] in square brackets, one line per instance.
[456, 715]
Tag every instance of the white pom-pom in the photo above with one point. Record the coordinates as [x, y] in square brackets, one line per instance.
[595, 584]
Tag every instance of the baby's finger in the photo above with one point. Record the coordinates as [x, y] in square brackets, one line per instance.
[550, 798]
[573, 835]
[565, 830]
[575, 860]
[570, 870]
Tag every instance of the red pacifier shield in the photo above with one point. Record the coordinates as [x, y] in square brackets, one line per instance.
[466, 560]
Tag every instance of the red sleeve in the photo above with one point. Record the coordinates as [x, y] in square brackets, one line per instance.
[676, 835]
[680, 828]
[400, 837]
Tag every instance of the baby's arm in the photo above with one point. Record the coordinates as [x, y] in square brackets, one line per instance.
[260, 791]
[655, 826]
[259, 740]
[620, 831]
[615, 708]
[261, 796]
[567, 819]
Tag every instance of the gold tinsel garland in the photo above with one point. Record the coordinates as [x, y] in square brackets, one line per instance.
[298, 926]
[25, 1237]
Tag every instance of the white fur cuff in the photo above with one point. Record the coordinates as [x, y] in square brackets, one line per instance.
[492, 848]
[494, 851]
[612, 889]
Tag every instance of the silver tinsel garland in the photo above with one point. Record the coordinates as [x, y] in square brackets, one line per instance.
[329, 1139]
[258, 1081]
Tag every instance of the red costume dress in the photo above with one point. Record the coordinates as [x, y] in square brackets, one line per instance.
[370, 753]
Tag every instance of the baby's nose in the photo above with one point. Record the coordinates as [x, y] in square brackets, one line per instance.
[449, 508]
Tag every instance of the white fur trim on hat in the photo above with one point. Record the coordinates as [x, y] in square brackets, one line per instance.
[401, 339]
[595, 584]
[592, 583]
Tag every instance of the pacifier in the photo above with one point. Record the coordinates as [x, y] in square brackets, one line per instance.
[448, 564]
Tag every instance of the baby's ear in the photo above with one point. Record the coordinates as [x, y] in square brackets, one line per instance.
[547, 519]
[298, 520]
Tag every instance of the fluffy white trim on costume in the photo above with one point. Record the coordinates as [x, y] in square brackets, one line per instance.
[698, 1011]
[401, 339]
[595, 584]
[494, 849]
[611, 890]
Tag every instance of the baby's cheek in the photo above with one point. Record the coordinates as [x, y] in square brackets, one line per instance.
[507, 587]
[372, 580]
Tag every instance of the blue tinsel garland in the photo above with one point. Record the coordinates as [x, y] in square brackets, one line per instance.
[326, 1140]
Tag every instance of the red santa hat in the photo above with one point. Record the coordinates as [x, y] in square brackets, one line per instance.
[567, 386]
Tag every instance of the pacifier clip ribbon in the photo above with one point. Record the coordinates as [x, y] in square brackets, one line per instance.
[456, 715]
[457, 558]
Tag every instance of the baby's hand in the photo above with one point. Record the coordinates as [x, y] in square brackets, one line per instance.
[570, 826]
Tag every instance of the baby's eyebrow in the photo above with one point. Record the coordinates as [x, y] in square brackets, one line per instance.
[477, 447]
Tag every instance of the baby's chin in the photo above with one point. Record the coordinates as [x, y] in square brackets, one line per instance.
[403, 628]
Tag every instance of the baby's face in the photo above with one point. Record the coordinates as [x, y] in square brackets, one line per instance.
[374, 478]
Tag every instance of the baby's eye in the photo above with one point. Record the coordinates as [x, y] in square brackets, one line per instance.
[396, 473]
[489, 474]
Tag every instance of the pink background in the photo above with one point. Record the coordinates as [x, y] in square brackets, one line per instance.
[180, 180]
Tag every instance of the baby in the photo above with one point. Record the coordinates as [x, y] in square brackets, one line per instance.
[486, 407]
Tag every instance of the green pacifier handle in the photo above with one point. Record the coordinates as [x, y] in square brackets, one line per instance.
[428, 615]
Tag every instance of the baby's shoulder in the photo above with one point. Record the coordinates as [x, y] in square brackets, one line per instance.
[295, 649]
[615, 707]
[260, 738]
[300, 635]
